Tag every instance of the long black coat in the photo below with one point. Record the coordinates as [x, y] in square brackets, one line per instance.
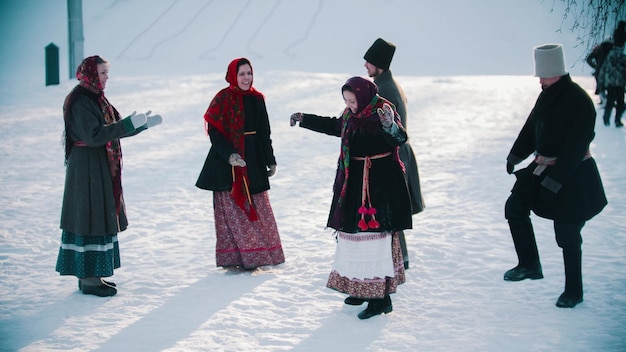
[390, 90]
[560, 125]
[388, 188]
[88, 202]
[216, 174]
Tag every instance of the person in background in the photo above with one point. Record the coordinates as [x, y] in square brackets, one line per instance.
[377, 62]
[613, 74]
[595, 59]
[619, 34]
[562, 183]
[237, 168]
[93, 210]
[371, 202]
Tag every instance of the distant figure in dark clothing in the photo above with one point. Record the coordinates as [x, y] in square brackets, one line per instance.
[613, 75]
[619, 34]
[595, 59]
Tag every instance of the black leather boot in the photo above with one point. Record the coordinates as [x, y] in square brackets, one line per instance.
[108, 283]
[529, 266]
[377, 306]
[573, 294]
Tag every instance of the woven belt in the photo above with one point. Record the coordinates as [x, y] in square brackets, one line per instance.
[365, 192]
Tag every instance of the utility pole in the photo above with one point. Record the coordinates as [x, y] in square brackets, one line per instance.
[75, 34]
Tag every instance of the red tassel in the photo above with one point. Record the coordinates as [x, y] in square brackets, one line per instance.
[373, 224]
[362, 225]
[362, 210]
[371, 211]
[253, 215]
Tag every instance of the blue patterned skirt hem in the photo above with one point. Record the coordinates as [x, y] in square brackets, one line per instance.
[88, 256]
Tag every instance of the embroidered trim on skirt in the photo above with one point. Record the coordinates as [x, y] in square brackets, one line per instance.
[241, 242]
[373, 287]
[88, 256]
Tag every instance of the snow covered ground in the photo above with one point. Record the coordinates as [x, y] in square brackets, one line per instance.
[173, 298]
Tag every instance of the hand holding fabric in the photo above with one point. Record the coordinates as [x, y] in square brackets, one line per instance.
[386, 115]
[295, 118]
[272, 171]
[236, 160]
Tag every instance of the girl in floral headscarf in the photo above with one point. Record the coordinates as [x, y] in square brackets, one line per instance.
[93, 210]
[371, 200]
[236, 169]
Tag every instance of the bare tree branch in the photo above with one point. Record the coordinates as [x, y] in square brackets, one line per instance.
[592, 21]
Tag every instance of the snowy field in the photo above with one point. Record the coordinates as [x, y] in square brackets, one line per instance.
[172, 297]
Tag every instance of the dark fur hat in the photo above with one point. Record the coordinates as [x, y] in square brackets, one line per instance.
[380, 54]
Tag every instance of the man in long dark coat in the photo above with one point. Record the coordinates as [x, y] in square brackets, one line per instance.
[562, 183]
[377, 61]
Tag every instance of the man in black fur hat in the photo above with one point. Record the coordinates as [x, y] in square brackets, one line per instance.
[377, 61]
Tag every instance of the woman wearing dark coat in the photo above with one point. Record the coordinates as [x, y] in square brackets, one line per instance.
[562, 183]
[93, 210]
[371, 202]
[237, 167]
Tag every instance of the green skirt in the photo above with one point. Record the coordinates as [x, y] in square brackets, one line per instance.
[88, 256]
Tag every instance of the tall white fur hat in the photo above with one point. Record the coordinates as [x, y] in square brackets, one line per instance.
[549, 61]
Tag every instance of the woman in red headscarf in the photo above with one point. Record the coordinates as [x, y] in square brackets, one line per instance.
[237, 167]
[371, 199]
[93, 209]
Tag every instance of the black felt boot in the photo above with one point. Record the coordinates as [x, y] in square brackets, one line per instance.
[573, 294]
[529, 266]
[377, 306]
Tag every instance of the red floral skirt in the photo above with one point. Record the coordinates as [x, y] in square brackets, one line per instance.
[241, 242]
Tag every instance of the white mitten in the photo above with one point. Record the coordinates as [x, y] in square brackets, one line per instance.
[154, 120]
[295, 117]
[138, 120]
[236, 160]
[386, 115]
[272, 171]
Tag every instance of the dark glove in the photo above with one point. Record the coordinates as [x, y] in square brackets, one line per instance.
[509, 168]
[295, 118]
[546, 195]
